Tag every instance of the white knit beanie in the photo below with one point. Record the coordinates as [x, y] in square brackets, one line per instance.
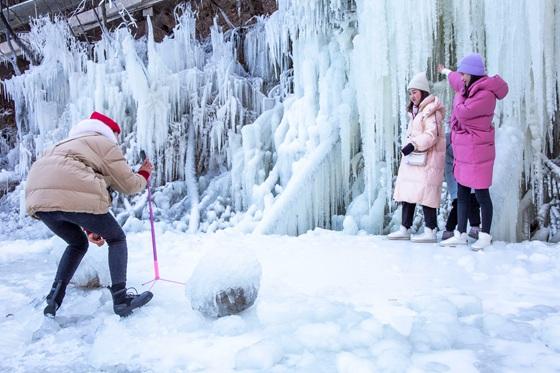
[419, 81]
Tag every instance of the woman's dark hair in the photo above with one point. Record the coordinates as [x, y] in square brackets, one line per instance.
[473, 80]
[411, 105]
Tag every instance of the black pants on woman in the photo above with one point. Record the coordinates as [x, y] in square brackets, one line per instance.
[463, 203]
[430, 215]
[68, 226]
[474, 214]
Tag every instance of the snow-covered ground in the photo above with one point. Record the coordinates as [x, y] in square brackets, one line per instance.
[328, 302]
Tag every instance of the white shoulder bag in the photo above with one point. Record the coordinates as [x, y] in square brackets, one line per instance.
[417, 158]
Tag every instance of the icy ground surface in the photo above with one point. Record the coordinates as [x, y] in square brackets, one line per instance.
[328, 302]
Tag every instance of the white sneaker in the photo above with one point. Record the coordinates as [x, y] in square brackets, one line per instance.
[401, 234]
[429, 235]
[458, 239]
[484, 240]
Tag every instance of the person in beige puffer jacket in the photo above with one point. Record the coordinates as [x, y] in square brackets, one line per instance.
[68, 190]
[420, 175]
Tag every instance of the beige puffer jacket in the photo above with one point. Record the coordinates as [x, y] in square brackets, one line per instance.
[422, 184]
[74, 175]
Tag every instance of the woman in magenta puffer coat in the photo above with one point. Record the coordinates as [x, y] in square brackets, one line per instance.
[472, 139]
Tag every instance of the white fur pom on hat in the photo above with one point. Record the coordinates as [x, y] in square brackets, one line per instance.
[419, 81]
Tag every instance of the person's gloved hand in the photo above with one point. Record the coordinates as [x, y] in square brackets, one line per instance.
[407, 149]
[95, 238]
[146, 169]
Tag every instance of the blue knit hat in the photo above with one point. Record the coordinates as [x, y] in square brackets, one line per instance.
[472, 64]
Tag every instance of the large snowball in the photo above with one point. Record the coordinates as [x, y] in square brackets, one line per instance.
[93, 271]
[224, 282]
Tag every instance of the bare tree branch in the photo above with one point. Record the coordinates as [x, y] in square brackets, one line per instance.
[32, 58]
[13, 57]
[224, 15]
[101, 23]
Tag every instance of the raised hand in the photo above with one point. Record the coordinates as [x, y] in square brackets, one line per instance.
[147, 166]
[407, 149]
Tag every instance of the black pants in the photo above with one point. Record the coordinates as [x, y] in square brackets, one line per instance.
[463, 203]
[473, 214]
[430, 215]
[68, 226]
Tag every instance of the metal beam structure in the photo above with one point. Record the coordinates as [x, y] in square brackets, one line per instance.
[21, 13]
[88, 20]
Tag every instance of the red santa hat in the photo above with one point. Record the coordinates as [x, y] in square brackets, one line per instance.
[108, 121]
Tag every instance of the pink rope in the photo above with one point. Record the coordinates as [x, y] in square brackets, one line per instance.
[154, 248]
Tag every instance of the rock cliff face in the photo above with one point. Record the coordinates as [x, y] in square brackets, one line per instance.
[228, 13]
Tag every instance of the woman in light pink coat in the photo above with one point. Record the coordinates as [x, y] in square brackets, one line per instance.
[420, 174]
[472, 139]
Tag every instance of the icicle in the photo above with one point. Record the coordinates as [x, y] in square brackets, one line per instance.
[190, 177]
[256, 52]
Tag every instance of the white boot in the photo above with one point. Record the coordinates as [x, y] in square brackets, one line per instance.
[401, 234]
[484, 240]
[458, 239]
[429, 235]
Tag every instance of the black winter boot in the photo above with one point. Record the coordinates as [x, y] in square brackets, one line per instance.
[124, 303]
[54, 298]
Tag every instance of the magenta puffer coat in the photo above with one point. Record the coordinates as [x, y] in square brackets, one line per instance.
[472, 132]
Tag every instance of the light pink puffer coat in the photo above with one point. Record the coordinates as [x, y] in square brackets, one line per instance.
[422, 184]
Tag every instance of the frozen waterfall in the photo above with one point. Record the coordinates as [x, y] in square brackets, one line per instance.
[296, 121]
